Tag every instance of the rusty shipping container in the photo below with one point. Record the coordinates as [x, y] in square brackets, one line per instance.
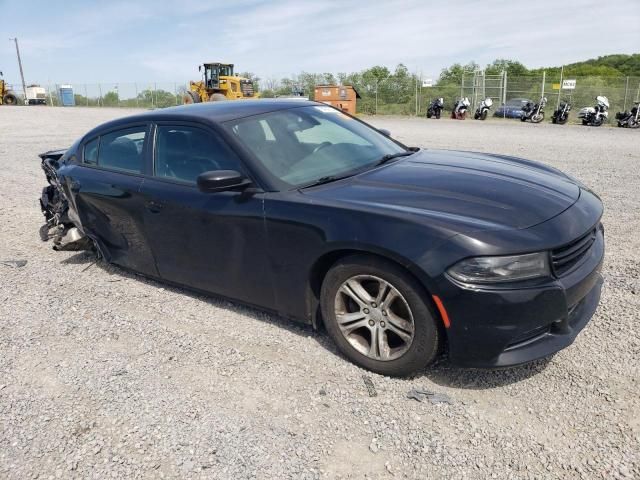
[343, 97]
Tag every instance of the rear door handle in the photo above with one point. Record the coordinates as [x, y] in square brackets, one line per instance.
[154, 207]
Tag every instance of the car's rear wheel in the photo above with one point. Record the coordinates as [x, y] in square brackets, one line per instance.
[376, 314]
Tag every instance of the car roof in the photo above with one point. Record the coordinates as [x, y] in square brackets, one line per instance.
[210, 112]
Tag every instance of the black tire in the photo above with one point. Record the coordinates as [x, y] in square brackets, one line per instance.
[10, 99]
[483, 115]
[429, 114]
[426, 338]
[633, 124]
[476, 116]
[585, 122]
[523, 118]
[438, 114]
[191, 97]
[562, 119]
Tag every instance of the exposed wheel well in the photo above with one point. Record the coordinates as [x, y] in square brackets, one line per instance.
[324, 263]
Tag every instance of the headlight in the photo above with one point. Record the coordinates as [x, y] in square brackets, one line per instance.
[501, 269]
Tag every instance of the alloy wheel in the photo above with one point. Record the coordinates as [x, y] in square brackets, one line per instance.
[374, 317]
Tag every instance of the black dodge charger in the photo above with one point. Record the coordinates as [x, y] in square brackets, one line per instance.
[300, 209]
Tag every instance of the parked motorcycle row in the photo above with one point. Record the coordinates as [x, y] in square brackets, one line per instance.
[534, 112]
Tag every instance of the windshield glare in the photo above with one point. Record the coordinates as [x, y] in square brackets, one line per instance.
[301, 145]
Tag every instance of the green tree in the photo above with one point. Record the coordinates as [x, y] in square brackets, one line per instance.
[512, 67]
[110, 99]
[157, 98]
[453, 74]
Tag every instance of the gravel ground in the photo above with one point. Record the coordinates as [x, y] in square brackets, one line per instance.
[106, 374]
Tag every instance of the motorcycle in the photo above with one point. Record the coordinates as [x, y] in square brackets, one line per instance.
[460, 108]
[435, 108]
[483, 109]
[533, 112]
[561, 115]
[597, 115]
[629, 119]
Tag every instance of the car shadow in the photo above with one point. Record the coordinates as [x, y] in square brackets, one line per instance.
[304, 330]
[441, 372]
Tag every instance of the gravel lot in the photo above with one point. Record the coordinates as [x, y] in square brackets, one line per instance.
[106, 374]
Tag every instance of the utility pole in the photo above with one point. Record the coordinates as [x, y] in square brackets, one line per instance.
[416, 94]
[24, 86]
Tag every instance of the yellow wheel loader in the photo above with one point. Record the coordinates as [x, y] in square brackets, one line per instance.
[7, 96]
[219, 83]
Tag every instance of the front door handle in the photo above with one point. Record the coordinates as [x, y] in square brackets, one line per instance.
[154, 207]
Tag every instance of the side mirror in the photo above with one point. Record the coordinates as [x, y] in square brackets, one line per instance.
[199, 68]
[221, 181]
[385, 132]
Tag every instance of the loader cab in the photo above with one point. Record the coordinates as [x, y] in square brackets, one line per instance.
[213, 72]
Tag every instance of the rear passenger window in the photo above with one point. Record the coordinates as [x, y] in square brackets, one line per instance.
[90, 155]
[182, 153]
[122, 150]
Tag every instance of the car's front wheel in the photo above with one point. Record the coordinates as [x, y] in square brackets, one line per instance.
[377, 315]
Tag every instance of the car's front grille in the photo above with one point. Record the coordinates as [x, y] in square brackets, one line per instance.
[564, 258]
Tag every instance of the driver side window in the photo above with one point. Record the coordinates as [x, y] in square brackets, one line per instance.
[182, 153]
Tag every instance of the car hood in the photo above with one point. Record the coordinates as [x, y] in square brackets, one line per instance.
[481, 191]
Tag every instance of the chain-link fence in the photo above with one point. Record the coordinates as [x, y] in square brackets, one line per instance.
[409, 95]
[132, 95]
[622, 92]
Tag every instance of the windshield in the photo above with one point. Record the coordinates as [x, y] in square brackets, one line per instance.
[215, 70]
[302, 145]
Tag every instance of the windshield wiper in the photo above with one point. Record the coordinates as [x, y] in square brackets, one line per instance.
[327, 179]
[391, 156]
[384, 159]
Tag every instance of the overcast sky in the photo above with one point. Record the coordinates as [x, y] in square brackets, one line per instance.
[150, 40]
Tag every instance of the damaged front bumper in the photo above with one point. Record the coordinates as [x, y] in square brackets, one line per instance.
[62, 224]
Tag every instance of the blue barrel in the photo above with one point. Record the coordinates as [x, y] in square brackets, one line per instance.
[65, 94]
